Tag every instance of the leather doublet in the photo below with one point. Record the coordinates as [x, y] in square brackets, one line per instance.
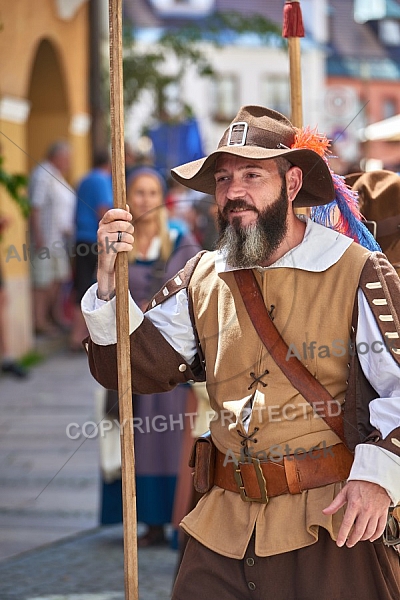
[380, 285]
[234, 351]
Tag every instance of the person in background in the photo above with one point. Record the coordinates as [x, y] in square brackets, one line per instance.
[94, 196]
[131, 159]
[194, 209]
[52, 223]
[160, 249]
[379, 197]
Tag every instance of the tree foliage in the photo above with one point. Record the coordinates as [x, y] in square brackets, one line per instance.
[15, 185]
[146, 70]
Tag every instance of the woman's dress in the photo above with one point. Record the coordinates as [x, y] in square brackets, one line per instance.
[159, 419]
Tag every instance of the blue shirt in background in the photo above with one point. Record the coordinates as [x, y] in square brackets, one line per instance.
[93, 192]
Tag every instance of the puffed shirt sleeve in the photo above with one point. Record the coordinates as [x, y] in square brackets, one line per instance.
[372, 463]
[171, 318]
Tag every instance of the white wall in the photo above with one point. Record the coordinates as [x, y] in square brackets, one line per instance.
[249, 64]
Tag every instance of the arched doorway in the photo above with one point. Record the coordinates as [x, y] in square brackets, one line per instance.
[49, 115]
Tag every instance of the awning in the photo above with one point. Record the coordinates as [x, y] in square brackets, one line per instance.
[387, 130]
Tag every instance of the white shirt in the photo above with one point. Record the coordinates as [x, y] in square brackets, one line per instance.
[321, 248]
[55, 200]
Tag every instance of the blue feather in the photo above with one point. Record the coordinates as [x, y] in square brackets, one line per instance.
[348, 223]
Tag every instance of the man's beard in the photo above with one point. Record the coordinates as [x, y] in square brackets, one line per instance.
[254, 244]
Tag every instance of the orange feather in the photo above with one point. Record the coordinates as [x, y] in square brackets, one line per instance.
[310, 139]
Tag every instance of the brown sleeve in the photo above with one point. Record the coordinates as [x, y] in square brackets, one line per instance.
[156, 366]
[391, 442]
[381, 287]
[357, 426]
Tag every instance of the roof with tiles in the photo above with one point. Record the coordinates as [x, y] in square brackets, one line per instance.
[354, 47]
[350, 47]
[348, 38]
[142, 14]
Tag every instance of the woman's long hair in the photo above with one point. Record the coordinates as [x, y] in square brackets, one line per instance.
[166, 245]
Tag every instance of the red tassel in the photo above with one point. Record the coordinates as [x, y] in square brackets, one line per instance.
[292, 20]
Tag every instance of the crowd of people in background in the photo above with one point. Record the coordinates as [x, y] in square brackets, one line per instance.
[63, 227]
[172, 224]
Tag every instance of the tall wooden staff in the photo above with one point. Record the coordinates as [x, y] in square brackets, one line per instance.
[293, 30]
[122, 313]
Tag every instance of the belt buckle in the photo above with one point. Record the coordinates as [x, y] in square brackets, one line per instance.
[262, 484]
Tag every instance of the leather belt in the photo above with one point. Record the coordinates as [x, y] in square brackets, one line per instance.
[256, 480]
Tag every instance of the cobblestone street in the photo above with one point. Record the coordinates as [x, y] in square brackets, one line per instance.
[50, 544]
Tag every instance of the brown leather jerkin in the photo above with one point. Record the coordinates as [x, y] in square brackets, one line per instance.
[255, 480]
[298, 375]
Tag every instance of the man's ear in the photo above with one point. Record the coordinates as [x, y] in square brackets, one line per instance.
[294, 181]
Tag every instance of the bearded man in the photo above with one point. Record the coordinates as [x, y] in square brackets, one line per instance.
[296, 497]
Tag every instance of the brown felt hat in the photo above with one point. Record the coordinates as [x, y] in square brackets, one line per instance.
[260, 133]
[379, 193]
[379, 201]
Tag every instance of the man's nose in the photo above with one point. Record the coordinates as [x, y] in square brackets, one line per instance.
[235, 189]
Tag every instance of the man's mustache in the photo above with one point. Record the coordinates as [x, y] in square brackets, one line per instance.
[235, 204]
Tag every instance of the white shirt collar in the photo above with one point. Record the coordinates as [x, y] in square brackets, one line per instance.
[320, 249]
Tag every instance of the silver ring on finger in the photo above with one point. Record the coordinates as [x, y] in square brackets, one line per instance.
[119, 238]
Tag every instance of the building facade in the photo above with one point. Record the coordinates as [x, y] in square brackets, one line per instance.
[363, 79]
[247, 70]
[44, 72]
[350, 71]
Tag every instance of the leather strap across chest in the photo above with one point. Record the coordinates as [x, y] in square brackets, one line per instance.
[298, 375]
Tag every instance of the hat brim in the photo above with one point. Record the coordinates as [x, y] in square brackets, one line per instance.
[351, 178]
[317, 188]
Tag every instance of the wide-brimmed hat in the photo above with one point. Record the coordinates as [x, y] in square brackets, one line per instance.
[261, 133]
[379, 201]
[378, 192]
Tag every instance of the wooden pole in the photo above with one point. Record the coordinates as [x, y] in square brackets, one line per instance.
[293, 30]
[122, 309]
[296, 99]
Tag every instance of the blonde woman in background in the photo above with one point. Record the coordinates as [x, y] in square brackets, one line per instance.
[161, 249]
